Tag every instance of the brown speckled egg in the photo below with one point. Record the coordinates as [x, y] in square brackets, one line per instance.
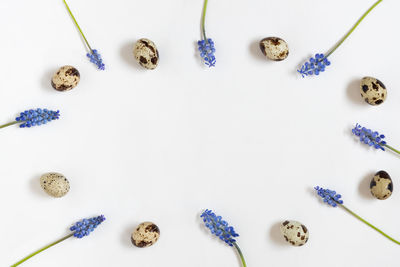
[145, 235]
[146, 53]
[65, 79]
[294, 232]
[381, 185]
[54, 184]
[274, 48]
[373, 91]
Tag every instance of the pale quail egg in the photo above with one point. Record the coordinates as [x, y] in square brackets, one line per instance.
[373, 91]
[381, 185]
[146, 53]
[54, 184]
[274, 48]
[294, 232]
[145, 235]
[65, 79]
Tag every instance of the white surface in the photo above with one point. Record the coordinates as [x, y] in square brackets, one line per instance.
[248, 139]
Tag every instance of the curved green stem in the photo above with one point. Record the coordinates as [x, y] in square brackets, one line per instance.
[40, 250]
[9, 124]
[77, 25]
[352, 29]
[370, 225]
[240, 254]
[393, 149]
[203, 20]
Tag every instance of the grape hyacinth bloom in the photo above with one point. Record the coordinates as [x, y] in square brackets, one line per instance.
[334, 200]
[315, 65]
[93, 54]
[86, 226]
[372, 138]
[207, 50]
[222, 230]
[34, 117]
[78, 230]
[206, 45]
[318, 64]
[95, 58]
[330, 197]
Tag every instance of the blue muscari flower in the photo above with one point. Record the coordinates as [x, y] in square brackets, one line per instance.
[86, 226]
[369, 137]
[334, 200]
[329, 196]
[94, 56]
[79, 230]
[207, 50]
[315, 65]
[37, 117]
[318, 64]
[219, 227]
[206, 45]
[96, 59]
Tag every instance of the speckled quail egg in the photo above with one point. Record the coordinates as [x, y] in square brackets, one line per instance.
[373, 91]
[294, 232]
[145, 235]
[65, 79]
[274, 48]
[381, 185]
[146, 53]
[54, 184]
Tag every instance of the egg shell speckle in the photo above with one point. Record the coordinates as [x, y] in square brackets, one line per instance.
[295, 233]
[54, 184]
[145, 235]
[373, 91]
[381, 185]
[65, 79]
[146, 53]
[274, 48]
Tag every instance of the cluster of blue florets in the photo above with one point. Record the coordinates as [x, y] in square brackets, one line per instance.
[37, 117]
[329, 196]
[207, 50]
[315, 65]
[219, 227]
[86, 226]
[369, 137]
[96, 59]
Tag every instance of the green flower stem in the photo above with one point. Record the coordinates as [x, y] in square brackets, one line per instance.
[370, 225]
[9, 124]
[203, 20]
[77, 25]
[240, 254]
[393, 149]
[42, 249]
[352, 29]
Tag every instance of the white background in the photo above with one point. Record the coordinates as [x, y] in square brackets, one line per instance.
[248, 139]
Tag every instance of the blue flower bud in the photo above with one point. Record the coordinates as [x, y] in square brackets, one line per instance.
[96, 59]
[207, 50]
[218, 227]
[330, 197]
[315, 65]
[30, 118]
[86, 226]
[368, 137]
